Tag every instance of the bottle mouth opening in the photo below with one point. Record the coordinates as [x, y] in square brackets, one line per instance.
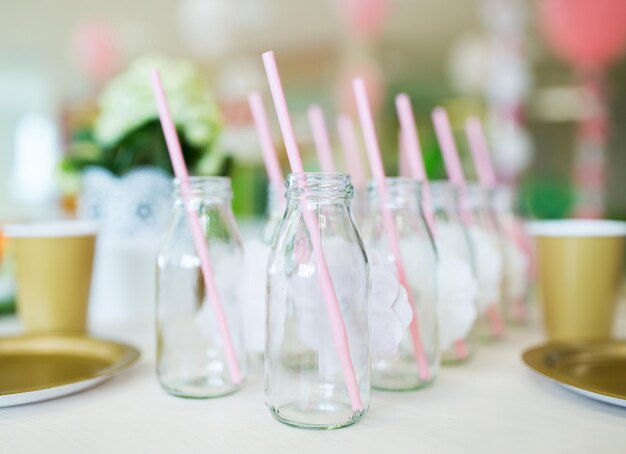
[204, 186]
[400, 190]
[475, 191]
[204, 180]
[319, 185]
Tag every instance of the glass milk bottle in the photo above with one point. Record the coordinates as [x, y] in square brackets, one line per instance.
[274, 213]
[360, 208]
[305, 381]
[486, 246]
[403, 371]
[516, 256]
[458, 287]
[191, 360]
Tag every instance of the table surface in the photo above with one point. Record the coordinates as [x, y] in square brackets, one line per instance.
[493, 404]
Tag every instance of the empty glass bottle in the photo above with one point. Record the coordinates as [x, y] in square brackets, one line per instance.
[359, 206]
[305, 380]
[274, 213]
[405, 370]
[190, 351]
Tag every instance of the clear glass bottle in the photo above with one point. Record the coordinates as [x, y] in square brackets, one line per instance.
[360, 208]
[274, 213]
[488, 259]
[305, 384]
[190, 351]
[459, 274]
[419, 259]
[253, 293]
[516, 255]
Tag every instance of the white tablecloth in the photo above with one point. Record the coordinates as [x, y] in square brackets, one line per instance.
[492, 405]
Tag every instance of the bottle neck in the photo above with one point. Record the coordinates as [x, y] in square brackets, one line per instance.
[201, 191]
[477, 198]
[401, 192]
[319, 186]
[503, 199]
[275, 201]
[444, 196]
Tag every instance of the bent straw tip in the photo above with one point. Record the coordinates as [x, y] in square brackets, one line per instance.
[268, 55]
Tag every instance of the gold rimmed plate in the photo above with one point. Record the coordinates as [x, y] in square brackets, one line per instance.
[595, 369]
[36, 367]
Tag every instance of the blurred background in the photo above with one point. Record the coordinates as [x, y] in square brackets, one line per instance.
[549, 82]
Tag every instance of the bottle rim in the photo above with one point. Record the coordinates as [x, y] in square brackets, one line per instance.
[328, 185]
[401, 191]
[205, 187]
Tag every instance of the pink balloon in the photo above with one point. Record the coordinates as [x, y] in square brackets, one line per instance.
[371, 72]
[96, 48]
[587, 33]
[364, 18]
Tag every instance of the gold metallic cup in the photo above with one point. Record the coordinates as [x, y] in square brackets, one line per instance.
[53, 273]
[580, 267]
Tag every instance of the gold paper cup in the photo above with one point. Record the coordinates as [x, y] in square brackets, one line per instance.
[53, 273]
[580, 266]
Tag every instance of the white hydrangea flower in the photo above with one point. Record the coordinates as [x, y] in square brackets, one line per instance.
[127, 102]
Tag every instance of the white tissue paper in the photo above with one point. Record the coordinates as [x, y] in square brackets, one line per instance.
[516, 270]
[390, 311]
[457, 294]
[451, 235]
[205, 320]
[252, 294]
[488, 266]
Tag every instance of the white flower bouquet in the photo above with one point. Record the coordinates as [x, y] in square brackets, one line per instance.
[126, 133]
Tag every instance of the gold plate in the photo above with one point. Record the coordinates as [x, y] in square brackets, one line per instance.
[596, 369]
[37, 367]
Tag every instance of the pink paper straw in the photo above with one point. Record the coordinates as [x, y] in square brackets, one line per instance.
[455, 173]
[180, 170]
[413, 151]
[321, 139]
[270, 158]
[378, 173]
[403, 158]
[496, 323]
[448, 147]
[487, 179]
[338, 328]
[451, 159]
[480, 153]
[348, 140]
